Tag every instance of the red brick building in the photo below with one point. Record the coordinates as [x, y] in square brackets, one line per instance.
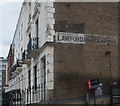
[10, 59]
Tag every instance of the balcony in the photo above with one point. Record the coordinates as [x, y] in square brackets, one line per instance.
[13, 70]
[25, 58]
[36, 9]
[30, 21]
[37, 6]
[16, 72]
[19, 66]
[32, 47]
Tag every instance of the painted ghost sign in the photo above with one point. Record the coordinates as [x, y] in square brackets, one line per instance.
[63, 37]
[77, 38]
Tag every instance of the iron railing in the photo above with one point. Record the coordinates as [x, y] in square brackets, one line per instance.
[24, 55]
[19, 63]
[33, 44]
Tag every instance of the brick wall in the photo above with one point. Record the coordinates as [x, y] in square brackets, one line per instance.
[119, 40]
[74, 64]
[10, 59]
[99, 18]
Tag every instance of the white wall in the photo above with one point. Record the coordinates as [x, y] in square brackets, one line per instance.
[21, 39]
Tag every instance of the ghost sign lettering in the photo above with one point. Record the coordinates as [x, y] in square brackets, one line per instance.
[70, 38]
[77, 38]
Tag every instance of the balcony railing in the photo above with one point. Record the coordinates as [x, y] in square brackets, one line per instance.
[24, 55]
[32, 46]
[36, 9]
[13, 69]
[37, 5]
[25, 58]
[19, 65]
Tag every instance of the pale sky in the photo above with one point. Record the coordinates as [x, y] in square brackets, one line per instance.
[9, 13]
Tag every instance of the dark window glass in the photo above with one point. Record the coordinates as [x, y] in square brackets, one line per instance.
[36, 27]
[29, 78]
[35, 76]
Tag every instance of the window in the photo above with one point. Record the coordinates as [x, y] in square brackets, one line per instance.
[43, 86]
[29, 3]
[36, 24]
[19, 40]
[21, 31]
[29, 78]
[29, 17]
[22, 50]
[29, 36]
[35, 76]
[19, 55]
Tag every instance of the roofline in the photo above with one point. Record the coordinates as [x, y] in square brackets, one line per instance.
[18, 22]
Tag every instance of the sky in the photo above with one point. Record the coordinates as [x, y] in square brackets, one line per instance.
[9, 14]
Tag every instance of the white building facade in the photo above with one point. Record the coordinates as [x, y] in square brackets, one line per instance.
[33, 55]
